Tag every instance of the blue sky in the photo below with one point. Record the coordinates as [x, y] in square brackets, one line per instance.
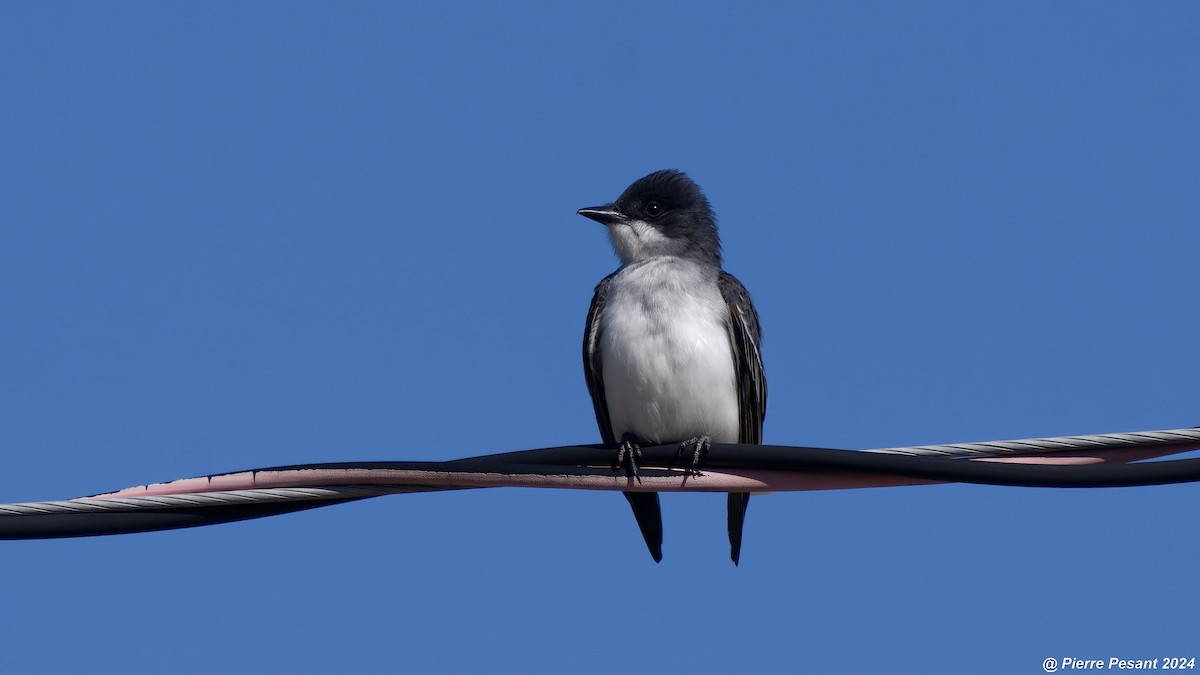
[236, 235]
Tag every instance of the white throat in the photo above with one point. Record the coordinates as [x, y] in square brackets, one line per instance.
[636, 240]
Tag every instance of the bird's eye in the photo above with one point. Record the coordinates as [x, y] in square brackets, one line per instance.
[654, 209]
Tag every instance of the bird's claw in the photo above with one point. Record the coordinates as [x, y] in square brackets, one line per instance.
[699, 447]
[628, 455]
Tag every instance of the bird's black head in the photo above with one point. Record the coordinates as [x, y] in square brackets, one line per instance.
[663, 214]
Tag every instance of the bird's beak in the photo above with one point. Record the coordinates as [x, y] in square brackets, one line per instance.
[604, 215]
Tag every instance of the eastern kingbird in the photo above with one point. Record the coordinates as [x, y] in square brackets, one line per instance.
[671, 345]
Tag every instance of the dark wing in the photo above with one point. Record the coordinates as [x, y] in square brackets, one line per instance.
[591, 360]
[746, 337]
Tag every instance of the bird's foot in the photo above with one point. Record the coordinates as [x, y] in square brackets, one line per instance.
[628, 456]
[698, 447]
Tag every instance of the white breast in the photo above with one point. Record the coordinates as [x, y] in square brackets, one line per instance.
[667, 361]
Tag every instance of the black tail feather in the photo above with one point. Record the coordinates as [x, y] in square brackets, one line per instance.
[649, 519]
[738, 501]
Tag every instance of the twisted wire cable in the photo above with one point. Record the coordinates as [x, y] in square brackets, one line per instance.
[1066, 461]
[1029, 446]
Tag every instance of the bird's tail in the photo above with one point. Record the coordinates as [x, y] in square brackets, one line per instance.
[738, 501]
[649, 519]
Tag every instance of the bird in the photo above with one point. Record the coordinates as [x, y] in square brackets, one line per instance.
[671, 346]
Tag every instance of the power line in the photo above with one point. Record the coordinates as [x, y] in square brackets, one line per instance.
[1065, 461]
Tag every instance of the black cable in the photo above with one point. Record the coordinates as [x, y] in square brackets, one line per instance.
[587, 459]
[597, 459]
[62, 525]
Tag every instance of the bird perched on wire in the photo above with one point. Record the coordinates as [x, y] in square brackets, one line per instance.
[671, 344]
